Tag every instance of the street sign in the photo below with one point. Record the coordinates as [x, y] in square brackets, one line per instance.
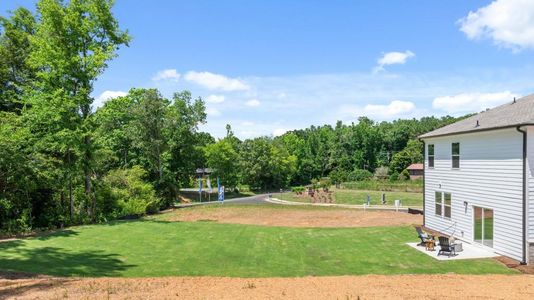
[220, 189]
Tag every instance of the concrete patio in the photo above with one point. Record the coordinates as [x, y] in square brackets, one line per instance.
[470, 251]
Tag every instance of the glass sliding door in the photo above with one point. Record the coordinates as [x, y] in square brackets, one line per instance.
[483, 226]
[488, 228]
[478, 224]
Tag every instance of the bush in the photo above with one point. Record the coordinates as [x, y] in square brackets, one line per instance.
[405, 175]
[381, 173]
[394, 176]
[325, 183]
[315, 184]
[360, 175]
[298, 189]
[339, 176]
[124, 193]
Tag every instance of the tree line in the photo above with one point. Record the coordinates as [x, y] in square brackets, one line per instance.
[63, 162]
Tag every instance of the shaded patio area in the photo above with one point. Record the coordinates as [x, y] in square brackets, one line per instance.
[469, 252]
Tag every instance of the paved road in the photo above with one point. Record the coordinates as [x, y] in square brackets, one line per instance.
[256, 199]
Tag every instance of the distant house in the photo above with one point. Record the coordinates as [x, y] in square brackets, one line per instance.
[479, 184]
[416, 171]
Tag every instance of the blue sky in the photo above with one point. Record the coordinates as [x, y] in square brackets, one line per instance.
[270, 66]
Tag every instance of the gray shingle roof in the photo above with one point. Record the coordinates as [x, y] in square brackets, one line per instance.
[507, 115]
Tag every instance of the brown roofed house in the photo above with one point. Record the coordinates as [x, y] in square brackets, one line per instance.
[416, 171]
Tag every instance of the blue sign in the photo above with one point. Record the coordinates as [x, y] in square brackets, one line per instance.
[220, 190]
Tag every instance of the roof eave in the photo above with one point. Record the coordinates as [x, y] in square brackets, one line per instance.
[426, 136]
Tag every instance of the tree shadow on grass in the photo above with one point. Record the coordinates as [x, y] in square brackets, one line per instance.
[140, 220]
[53, 234]
[15, 256]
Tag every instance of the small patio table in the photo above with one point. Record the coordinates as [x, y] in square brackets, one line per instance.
[430, 244]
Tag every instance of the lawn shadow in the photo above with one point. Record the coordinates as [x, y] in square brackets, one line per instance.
[146, 219]
[15, 256]
[54, 234]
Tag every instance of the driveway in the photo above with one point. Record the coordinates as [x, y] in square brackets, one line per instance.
[256, 199]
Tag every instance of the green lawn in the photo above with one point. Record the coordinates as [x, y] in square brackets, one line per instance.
[159, 248]
[346, 196]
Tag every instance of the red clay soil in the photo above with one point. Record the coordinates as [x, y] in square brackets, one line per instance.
[296, 217]
[342, 287]
[514, 264]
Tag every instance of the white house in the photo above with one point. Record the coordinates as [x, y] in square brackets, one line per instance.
[478, 179]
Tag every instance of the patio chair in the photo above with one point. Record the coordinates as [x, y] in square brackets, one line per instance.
[446, 247]
[425, 237]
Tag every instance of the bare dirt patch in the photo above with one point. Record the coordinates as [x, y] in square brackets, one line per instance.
[341, 287]
[295, 217]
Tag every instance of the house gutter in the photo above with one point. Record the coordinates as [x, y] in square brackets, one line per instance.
[524, 260]
[424, 175]
[426, 136]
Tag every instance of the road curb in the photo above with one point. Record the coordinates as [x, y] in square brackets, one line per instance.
[352, 206]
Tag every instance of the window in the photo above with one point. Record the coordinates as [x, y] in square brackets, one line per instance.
[455, 155]
[430, 156]
[447, 205]
[439, 203]
[443, 204]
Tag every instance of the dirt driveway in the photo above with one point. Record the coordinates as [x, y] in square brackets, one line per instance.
[342, 287]
[294, 217]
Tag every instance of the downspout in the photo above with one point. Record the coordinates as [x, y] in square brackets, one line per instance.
[424, 175]
[524, 260]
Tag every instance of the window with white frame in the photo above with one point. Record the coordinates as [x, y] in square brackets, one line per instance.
[455, 155]
[447, 205]
[430, 156]
[439, 203]
[443, 204]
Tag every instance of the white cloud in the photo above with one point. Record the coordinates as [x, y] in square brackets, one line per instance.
[247, 123]
[472, 102]
[215, 99]
[211, 111]
[106, 95]
[509, 23]
[318, 99]
[279, 131]
[213, 81]
[393, 58]
[253, 103]
[395, 109]
[169, 74]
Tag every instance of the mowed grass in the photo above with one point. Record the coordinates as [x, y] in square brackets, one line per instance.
[346, 196]
[154, 247]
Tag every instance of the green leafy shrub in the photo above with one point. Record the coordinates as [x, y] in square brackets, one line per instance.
[360, 175]
[315, 184]
[338, 176]
[126, 194]
[394, 177]
[381, 173]
[325, 183]
[405, 175]
[298, 189]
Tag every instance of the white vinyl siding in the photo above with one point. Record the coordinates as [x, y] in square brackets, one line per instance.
[530, 191]
[489, 176]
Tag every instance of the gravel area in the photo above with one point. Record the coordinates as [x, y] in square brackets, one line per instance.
[341, 287]
[295, 217]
